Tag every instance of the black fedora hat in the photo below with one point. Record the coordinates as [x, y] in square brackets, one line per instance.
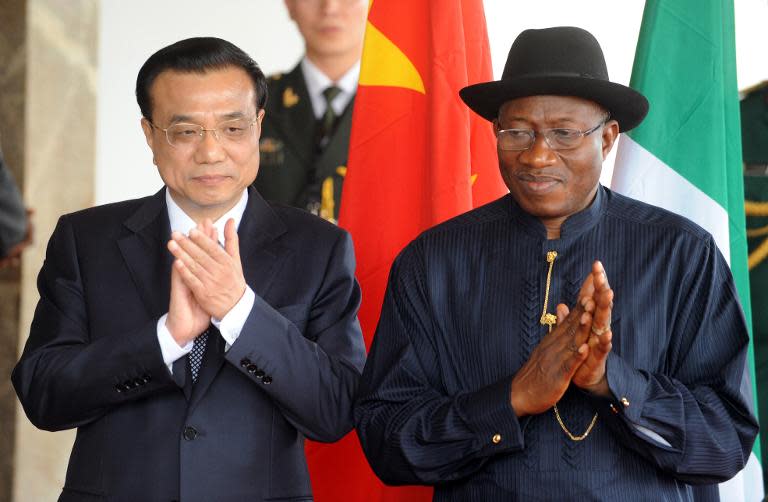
[561, 61]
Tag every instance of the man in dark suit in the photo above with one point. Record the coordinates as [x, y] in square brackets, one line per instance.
[194, 375]
[483, 382]
[305, 140]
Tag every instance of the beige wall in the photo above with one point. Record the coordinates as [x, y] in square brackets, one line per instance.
[12, 84]
[59, 160]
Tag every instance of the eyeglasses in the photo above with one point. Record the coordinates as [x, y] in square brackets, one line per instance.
[511, 140]
[190, 135]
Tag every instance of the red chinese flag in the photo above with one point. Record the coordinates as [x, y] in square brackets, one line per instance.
[418, 156]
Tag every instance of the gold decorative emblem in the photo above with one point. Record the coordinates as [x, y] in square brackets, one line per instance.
[760, 252]
[326, 200]
[550, 320]
[276, 76]
[341, 171]
[290, 98]
[271, 152]
[269, 145]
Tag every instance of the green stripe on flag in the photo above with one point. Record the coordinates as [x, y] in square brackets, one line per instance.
[685, 64]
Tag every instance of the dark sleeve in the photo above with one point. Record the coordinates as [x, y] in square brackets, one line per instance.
[66, 378]
[13, 217]
[412, 430]
[312, 372]
[699, 405]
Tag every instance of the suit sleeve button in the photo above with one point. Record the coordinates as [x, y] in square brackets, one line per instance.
[119, 387]
[259, 374]
[252, 368]
[266, 380]
[146, 378]
[244, 362]
[496, 438]
[190, 433]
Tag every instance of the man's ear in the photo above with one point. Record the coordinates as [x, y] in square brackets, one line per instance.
[260, 120]
[609, 136]
[496, 127]
[147, 128]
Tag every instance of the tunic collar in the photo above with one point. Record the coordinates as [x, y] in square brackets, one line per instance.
[573, 227]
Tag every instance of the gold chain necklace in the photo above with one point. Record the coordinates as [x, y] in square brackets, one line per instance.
[550, 320]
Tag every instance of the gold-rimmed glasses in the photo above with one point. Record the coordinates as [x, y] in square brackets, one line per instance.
[558, 138]
[184, 135]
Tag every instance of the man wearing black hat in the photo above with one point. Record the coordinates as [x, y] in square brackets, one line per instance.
[483, 382]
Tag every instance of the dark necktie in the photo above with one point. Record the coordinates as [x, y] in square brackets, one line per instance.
[196, 354]
[328, 120]
[324, 130]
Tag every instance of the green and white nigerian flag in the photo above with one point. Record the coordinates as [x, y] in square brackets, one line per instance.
[686, 155]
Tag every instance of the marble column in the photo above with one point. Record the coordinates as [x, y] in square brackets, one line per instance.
[13, 32]
[59, 166]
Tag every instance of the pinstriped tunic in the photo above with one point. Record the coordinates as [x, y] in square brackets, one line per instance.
[461, 316]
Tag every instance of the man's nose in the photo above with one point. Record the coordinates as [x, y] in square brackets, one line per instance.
[210, 150]
[329, 5]
[540, 154]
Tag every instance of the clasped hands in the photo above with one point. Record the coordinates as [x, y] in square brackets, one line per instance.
[206, 279]
[574, 351]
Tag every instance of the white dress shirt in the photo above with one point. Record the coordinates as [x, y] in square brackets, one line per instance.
[232, 323]
[317, 82]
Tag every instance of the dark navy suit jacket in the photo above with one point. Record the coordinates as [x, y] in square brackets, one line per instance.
[93, 361]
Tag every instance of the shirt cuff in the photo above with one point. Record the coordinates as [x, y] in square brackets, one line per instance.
[488, 411]
[170, 350]
[651, 434]
[628, 385]
[232, 323]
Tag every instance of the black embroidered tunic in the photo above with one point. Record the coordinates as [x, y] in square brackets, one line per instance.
[461, 316]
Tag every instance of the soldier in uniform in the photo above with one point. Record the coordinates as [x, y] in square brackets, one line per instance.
[305, 139]
[754, 134]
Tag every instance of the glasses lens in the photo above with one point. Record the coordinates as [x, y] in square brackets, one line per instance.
[563, 139]
[515, 139]
[184, 134]
[234, 130]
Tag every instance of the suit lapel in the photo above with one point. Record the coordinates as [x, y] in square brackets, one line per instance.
[212, 362]
[259, 227]
[260, 256]
[146, 256]
[182, 376]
